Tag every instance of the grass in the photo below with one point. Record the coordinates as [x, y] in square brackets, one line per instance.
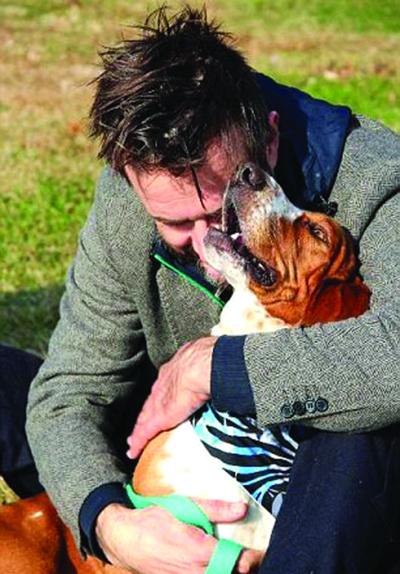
[7, 496]
[345, 51]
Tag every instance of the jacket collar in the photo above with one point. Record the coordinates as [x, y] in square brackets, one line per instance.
[313, 133]
[189, 272]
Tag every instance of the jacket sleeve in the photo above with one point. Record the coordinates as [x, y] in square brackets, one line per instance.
[95, 375]
[341, 376]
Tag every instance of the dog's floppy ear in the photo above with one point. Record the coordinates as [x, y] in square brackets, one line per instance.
[337, 300]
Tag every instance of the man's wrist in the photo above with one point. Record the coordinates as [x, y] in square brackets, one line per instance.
[96, 502]
[108, 513]
[106, 517]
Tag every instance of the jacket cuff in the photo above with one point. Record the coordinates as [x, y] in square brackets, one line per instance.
[230, 385]
[94, 503]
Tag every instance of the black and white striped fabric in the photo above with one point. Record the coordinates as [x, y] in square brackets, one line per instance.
[260, 459]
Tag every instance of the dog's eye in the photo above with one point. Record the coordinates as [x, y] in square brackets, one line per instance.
[262, 274]
[317, 231]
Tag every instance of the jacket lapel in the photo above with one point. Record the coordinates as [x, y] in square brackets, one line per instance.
[186, 297]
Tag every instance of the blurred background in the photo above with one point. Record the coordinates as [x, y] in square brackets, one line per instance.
[345, 51]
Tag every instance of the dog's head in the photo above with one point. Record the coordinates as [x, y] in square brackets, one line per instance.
[301, 265]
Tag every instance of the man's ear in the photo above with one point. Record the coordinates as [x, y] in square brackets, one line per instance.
[128, 172]
[273, 142]
[337, 300]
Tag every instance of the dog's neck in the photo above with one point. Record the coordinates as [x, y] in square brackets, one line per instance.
[243, 314]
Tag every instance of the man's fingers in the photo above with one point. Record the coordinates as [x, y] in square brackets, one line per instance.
[222, 511]
[202, 544]
[249, 561]
[137, 442]
[166, 544]
[142, 433]
[133, 450]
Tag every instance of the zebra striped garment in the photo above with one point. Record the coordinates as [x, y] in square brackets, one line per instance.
[260, 459]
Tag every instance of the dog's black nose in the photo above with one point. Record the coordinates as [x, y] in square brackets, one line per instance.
[252, 176]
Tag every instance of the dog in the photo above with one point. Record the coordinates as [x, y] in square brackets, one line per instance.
[288, 268]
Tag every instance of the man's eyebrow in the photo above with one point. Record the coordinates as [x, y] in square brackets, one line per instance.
[183, 221]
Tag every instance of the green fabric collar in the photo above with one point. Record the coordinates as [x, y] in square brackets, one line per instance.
[226, 552]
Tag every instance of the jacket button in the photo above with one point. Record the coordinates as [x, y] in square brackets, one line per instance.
[310, 406]
[321, 405]
[299, 408]
[287, 411]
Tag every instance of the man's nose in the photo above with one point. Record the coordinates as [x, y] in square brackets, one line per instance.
[251, 175]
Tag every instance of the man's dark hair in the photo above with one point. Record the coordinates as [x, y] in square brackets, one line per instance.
[163, 96]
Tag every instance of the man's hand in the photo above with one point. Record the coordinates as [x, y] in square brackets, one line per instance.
[182, 387]
[152, 541]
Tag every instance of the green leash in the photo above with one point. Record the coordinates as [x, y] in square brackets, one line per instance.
[226, 552]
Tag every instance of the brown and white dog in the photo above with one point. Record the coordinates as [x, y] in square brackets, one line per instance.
[288, 268]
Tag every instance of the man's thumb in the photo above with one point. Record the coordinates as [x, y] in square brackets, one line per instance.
[222, 511]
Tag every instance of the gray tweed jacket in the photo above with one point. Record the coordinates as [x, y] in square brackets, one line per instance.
[123, 315]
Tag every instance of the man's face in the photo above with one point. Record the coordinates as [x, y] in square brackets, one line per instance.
[174, 204]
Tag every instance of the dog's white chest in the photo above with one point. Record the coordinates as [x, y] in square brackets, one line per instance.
[244, 314]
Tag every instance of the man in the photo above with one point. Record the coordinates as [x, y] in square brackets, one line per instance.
[176, 111]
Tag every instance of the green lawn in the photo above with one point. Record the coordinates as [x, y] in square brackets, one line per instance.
[344, 51]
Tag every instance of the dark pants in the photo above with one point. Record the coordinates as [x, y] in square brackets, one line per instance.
[17, 369]
[341, 514]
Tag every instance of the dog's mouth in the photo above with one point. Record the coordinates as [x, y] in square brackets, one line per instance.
[230, 240]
